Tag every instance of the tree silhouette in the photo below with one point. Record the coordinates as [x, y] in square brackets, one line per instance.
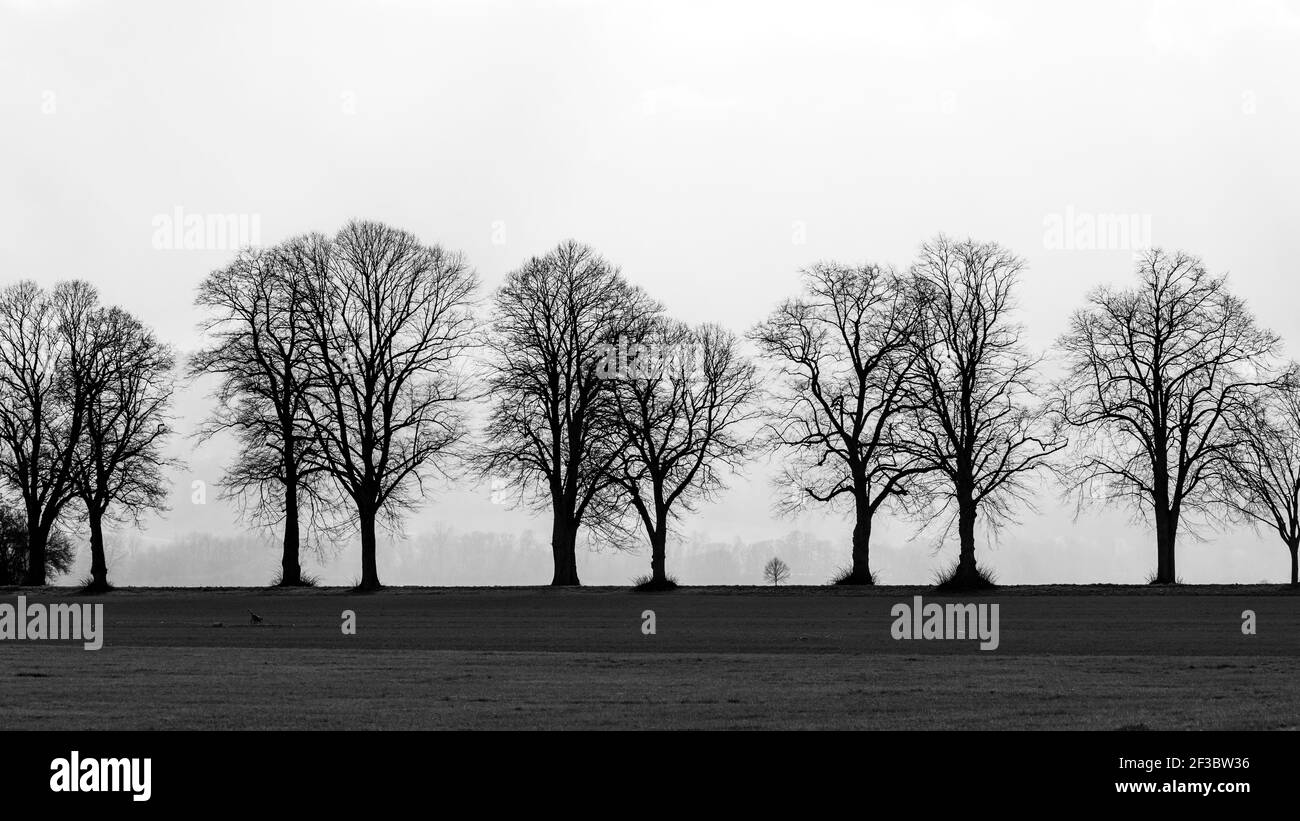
[126, 378]
[1155, 372]
[550, 435]
[843, 353]
[973, 425]
[260, 350]
[682, 413]
[1263, 486]
[776, 571]
[43, 343]
[389, 321]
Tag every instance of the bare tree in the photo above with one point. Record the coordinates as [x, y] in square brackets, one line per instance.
[260, 350]
[974, 423]
[389, 320]
[776, 571]
[127, 381]
[550, 437]
[1263, 486]
[843, 354]
[42, 411]
[1154, 374]
[683, 411]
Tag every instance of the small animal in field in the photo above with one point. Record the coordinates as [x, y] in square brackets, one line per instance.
[253, 618]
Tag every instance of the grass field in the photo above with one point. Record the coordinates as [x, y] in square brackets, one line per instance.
[791, 658]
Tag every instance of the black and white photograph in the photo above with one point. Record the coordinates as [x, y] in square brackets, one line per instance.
[671, 384]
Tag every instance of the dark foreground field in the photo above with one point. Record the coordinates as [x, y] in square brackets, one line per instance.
[794, 658]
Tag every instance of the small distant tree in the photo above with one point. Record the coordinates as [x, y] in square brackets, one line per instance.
[776, 571]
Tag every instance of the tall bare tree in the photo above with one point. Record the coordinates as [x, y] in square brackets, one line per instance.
[389, 320]
[684, 412]
[843, 353]
[1155, 372]
[976, 424]
[43, 342]
[549, 436]
[118, 468]
[260, 350]
[1263, 486]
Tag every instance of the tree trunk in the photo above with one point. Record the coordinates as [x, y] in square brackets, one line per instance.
[291, 569]
[967, 573]
[1166, 531]
[1166, 525]
[369, 569]
[658, 571]
[564, 540]
[37, 538]
[98, 560]
[861, 571]
[1295, 577]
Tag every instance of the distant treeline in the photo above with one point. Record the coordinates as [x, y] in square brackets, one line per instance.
[347, 367]
[471, 558]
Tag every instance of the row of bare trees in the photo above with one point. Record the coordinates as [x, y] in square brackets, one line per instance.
[342, 376]
[915, 388]
[352, 369]
[901, 387]
[604, 411]
[910, 389]
[348, 367]
[84, 395]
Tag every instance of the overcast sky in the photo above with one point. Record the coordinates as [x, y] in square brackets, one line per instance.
[710, 149]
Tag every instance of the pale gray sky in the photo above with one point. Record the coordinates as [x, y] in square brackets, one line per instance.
[711, 149]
